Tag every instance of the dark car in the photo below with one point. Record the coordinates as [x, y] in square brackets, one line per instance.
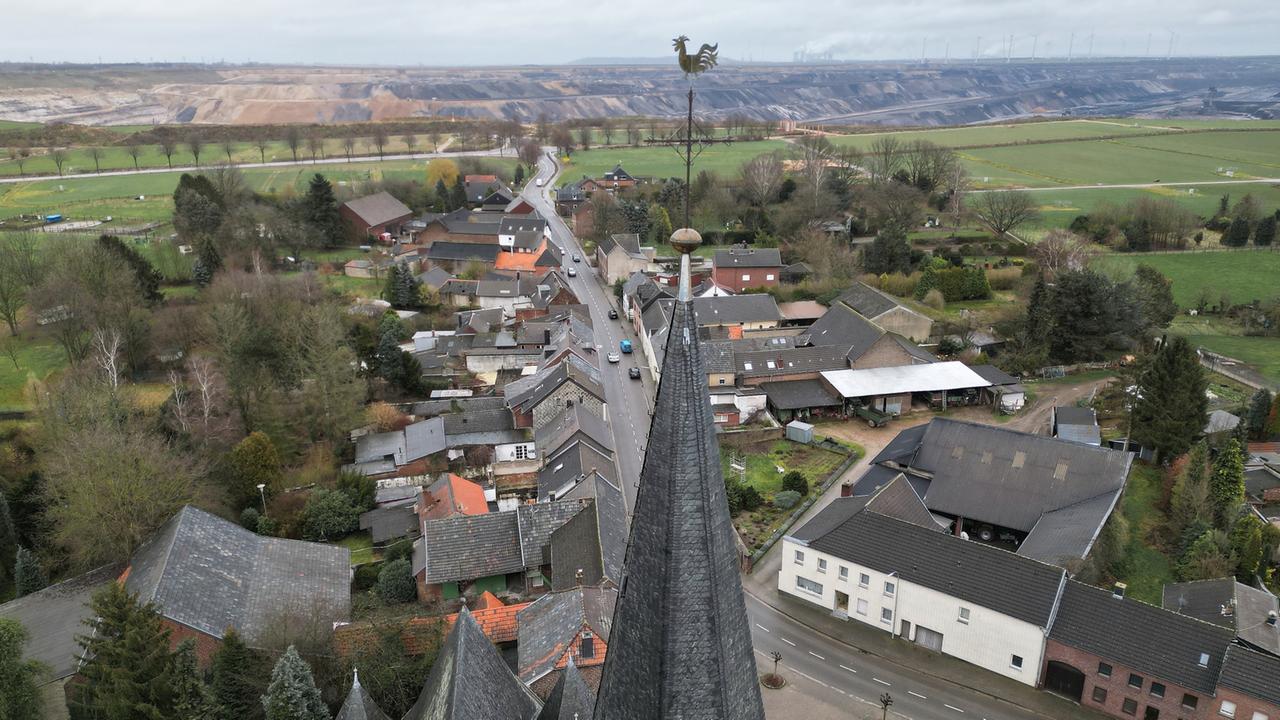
[633, 373]
[613, 314]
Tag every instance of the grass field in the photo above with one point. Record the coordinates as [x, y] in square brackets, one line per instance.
[37, 360]
[762, 469]
[96, 197]
[1001, 134]
[1059, 207]
[1148, 569]
[724, 160]
[1262, 353]
[1243, 275]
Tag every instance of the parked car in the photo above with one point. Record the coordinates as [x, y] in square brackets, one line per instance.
[573, 273]
[577, 258]
[625, 345]
[633, 373]
[613, 314]
[539, 182]
[614, 357]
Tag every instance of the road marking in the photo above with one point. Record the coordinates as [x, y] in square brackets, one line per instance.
[844, 667]
[788, 642]
[816, 655]
[882, 682]
[762, 627]
[952, 707]
[812, 678]
[922, 697]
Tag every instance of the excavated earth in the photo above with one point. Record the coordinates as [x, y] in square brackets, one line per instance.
[900, 94]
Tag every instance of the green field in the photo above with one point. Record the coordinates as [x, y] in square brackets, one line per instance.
[974, 135]
[1262, 353]
[97, 197]
[37, 360]
[1243, 275]
[661, 162]
[1059, 207]
[1148, 568]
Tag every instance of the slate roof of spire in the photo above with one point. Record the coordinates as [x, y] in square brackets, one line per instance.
[570, 699]
[470, 680]
[359, 706]
[681, 646]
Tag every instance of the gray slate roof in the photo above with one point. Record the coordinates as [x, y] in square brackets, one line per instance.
[750, 258]
[570, 699]
[463, 252]
[466, 547]
[548, 626]
[564, 469]
[401, 447]
[994, 375]
[791, 361]
[470, 680]
[593, 541]
[211, 574]
[680, 646]
[736, 309]
[1246, 608]
[800, 394]
[573, 422]
[55, 616]
[1151, 640]
[388, 523]
[378, 208]
[895, 499]
[943, 562]
[476, 421]
[359, 705]
[628, 242]
[1253, 673]
[527, 392]
[869, 302]
[842, 326]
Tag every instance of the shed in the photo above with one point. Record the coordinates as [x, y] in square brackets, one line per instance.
[801, 432]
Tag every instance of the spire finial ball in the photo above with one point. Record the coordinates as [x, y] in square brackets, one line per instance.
[686, 240]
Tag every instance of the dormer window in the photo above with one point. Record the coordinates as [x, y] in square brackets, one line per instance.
[587, 645]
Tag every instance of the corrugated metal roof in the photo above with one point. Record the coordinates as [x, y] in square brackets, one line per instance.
[932, 377]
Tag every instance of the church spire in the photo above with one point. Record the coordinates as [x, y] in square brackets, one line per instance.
[680, 648]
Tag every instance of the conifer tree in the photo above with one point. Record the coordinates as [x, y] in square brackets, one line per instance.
[1259, 408]
[442, 196]
[320, 209]
[238, 679]
[1237, 233]
[391, 284]
[128, 668]
[253, 461]
[1246, 546]
[1189, 504]
[1170, 410]
[192, 699]
[458, 194]
[292, 694]
[1265, 233]
[19, 694]
[9, 536]
[1226, 485]
[28, 576]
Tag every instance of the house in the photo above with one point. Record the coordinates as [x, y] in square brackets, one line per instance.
[448, 496]
[459, 226]
[801, 313]
[54, 618]
[537, 399]
[522, 233]
[741, 268]
[207, 575]
[390, 522]
[386, 453]
[1049, 498]
[794, 363]
[1262, 478]
[590, 548]
[502, 551]
[744, 312]
[870, 346]
[620, 255]
[479, 187]
[570, 465]
[454, 257]
[369, 217]
[791, 399]
[569, 197]
[796, 273]
[1220, 423]
[1247, 611]
[1077, 424]
[563, 627]
[883, 560]
[887, 312]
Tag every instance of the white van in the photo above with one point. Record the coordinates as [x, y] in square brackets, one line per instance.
[539, 182]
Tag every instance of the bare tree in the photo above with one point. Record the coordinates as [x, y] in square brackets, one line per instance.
[195, 143]
[529, 152]
[562, 139]
[379, 139]
[315, 146]
[19, 157]
[1062, 250]
[349, 144]
[606, 128]
[95, 152]
[410, 141]
[1003, 212]
[293, 138]
[433, 134]
[228, 148]
[542, 128]
[59, 158]
[928, 165]
[262, 142]
[19, 272]
[106, 355]
[815, 158]
[168, 146]
[884, 158]
[894, 206]
[761, 178]
[584, 136]
[134, 149]
[180, 402]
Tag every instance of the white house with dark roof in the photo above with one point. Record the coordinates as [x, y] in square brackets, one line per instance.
[620, 255]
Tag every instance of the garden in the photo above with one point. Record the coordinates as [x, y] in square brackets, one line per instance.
[767, 481]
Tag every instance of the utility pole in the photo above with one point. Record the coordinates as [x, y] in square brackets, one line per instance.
[977, 49]
[1148, 53]
[1035, 43]
[1071, 44]
[1169, 56]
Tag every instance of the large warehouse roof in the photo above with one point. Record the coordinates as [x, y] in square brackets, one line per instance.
[934, 377]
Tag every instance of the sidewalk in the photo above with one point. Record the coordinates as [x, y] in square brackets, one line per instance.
[911, 657]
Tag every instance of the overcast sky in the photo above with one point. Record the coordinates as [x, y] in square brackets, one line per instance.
[436, 32]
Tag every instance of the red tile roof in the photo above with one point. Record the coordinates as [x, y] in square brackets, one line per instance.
[499, 623]
[453, 495]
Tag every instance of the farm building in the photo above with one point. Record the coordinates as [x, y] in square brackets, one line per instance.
[887, 312]
[892, 389]
[370, 216]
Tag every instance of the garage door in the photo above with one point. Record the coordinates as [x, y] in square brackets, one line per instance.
[928, 638]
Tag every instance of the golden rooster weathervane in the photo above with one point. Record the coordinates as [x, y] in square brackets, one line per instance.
[699, 62]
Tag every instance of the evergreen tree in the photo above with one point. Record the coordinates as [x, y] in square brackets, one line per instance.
[207, 263]
[128, 668]
[390, 366]
[292, 694]
[1237, 234]
[238, 679]
[1169, 412]
[395, 582]
[442, 197]
[519, 175]
[1224, 206]
[1259, 408]
[144, 273]
[1246, 547]
[253, 461]
[888, 253]
[458, 194]
[390, 285]
[192, 699]
[329, 514]
[320, 210]
[28, 576]
[1226, 485]
[795, 481]
[1189, 502]
[1039, 321]
[406, 295]
[660, 222]
[9, 536]
[1155, 297]
[928, 281]
[1086, 316]
[19, 693]
[1265, 233]
[195, 214]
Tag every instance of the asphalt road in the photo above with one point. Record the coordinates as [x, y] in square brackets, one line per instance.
[628, 400]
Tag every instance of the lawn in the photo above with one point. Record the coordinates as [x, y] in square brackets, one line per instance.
[1243, 275]
[662, 162]
[756, 526]
[38, 358]
[1148, 568]
[1059, 207]
[1262, 353]
[979, 135]
[361, 547]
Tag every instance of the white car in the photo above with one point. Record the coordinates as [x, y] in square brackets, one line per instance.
[538, 182]
[615, 357]
[573, 273]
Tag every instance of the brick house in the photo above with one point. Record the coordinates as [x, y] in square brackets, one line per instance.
[370, 216]
[538, 399]
[739, 269]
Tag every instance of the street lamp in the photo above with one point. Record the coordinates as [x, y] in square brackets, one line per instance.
[262, 492]
[885, 701]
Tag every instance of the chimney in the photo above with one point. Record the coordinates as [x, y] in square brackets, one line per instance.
[577, 576]
[1229, 608]
[1117, 592]
[1271, 618]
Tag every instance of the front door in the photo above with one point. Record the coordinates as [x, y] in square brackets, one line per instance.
[842, 605]
[904, 630]
[1152, 713]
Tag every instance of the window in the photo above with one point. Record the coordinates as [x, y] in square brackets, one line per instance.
[721, 381]
[1015, 662]
[1099, 694]
[863, 580]
[822, 565]
[1157, 689]
[1258, 715]
[771, 365]
[1204, 660]
[768, 276]
[587, 648]
[746, 277]
[799, 557]
[1227, 709]
[522, 452]
[964, 615]
[862, 606]
[1104, 669]
[1135, 681]
[888, 588]
[1130, 707]
[1190, 701]
[844, 573]
[808, 585]
[886, 616]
